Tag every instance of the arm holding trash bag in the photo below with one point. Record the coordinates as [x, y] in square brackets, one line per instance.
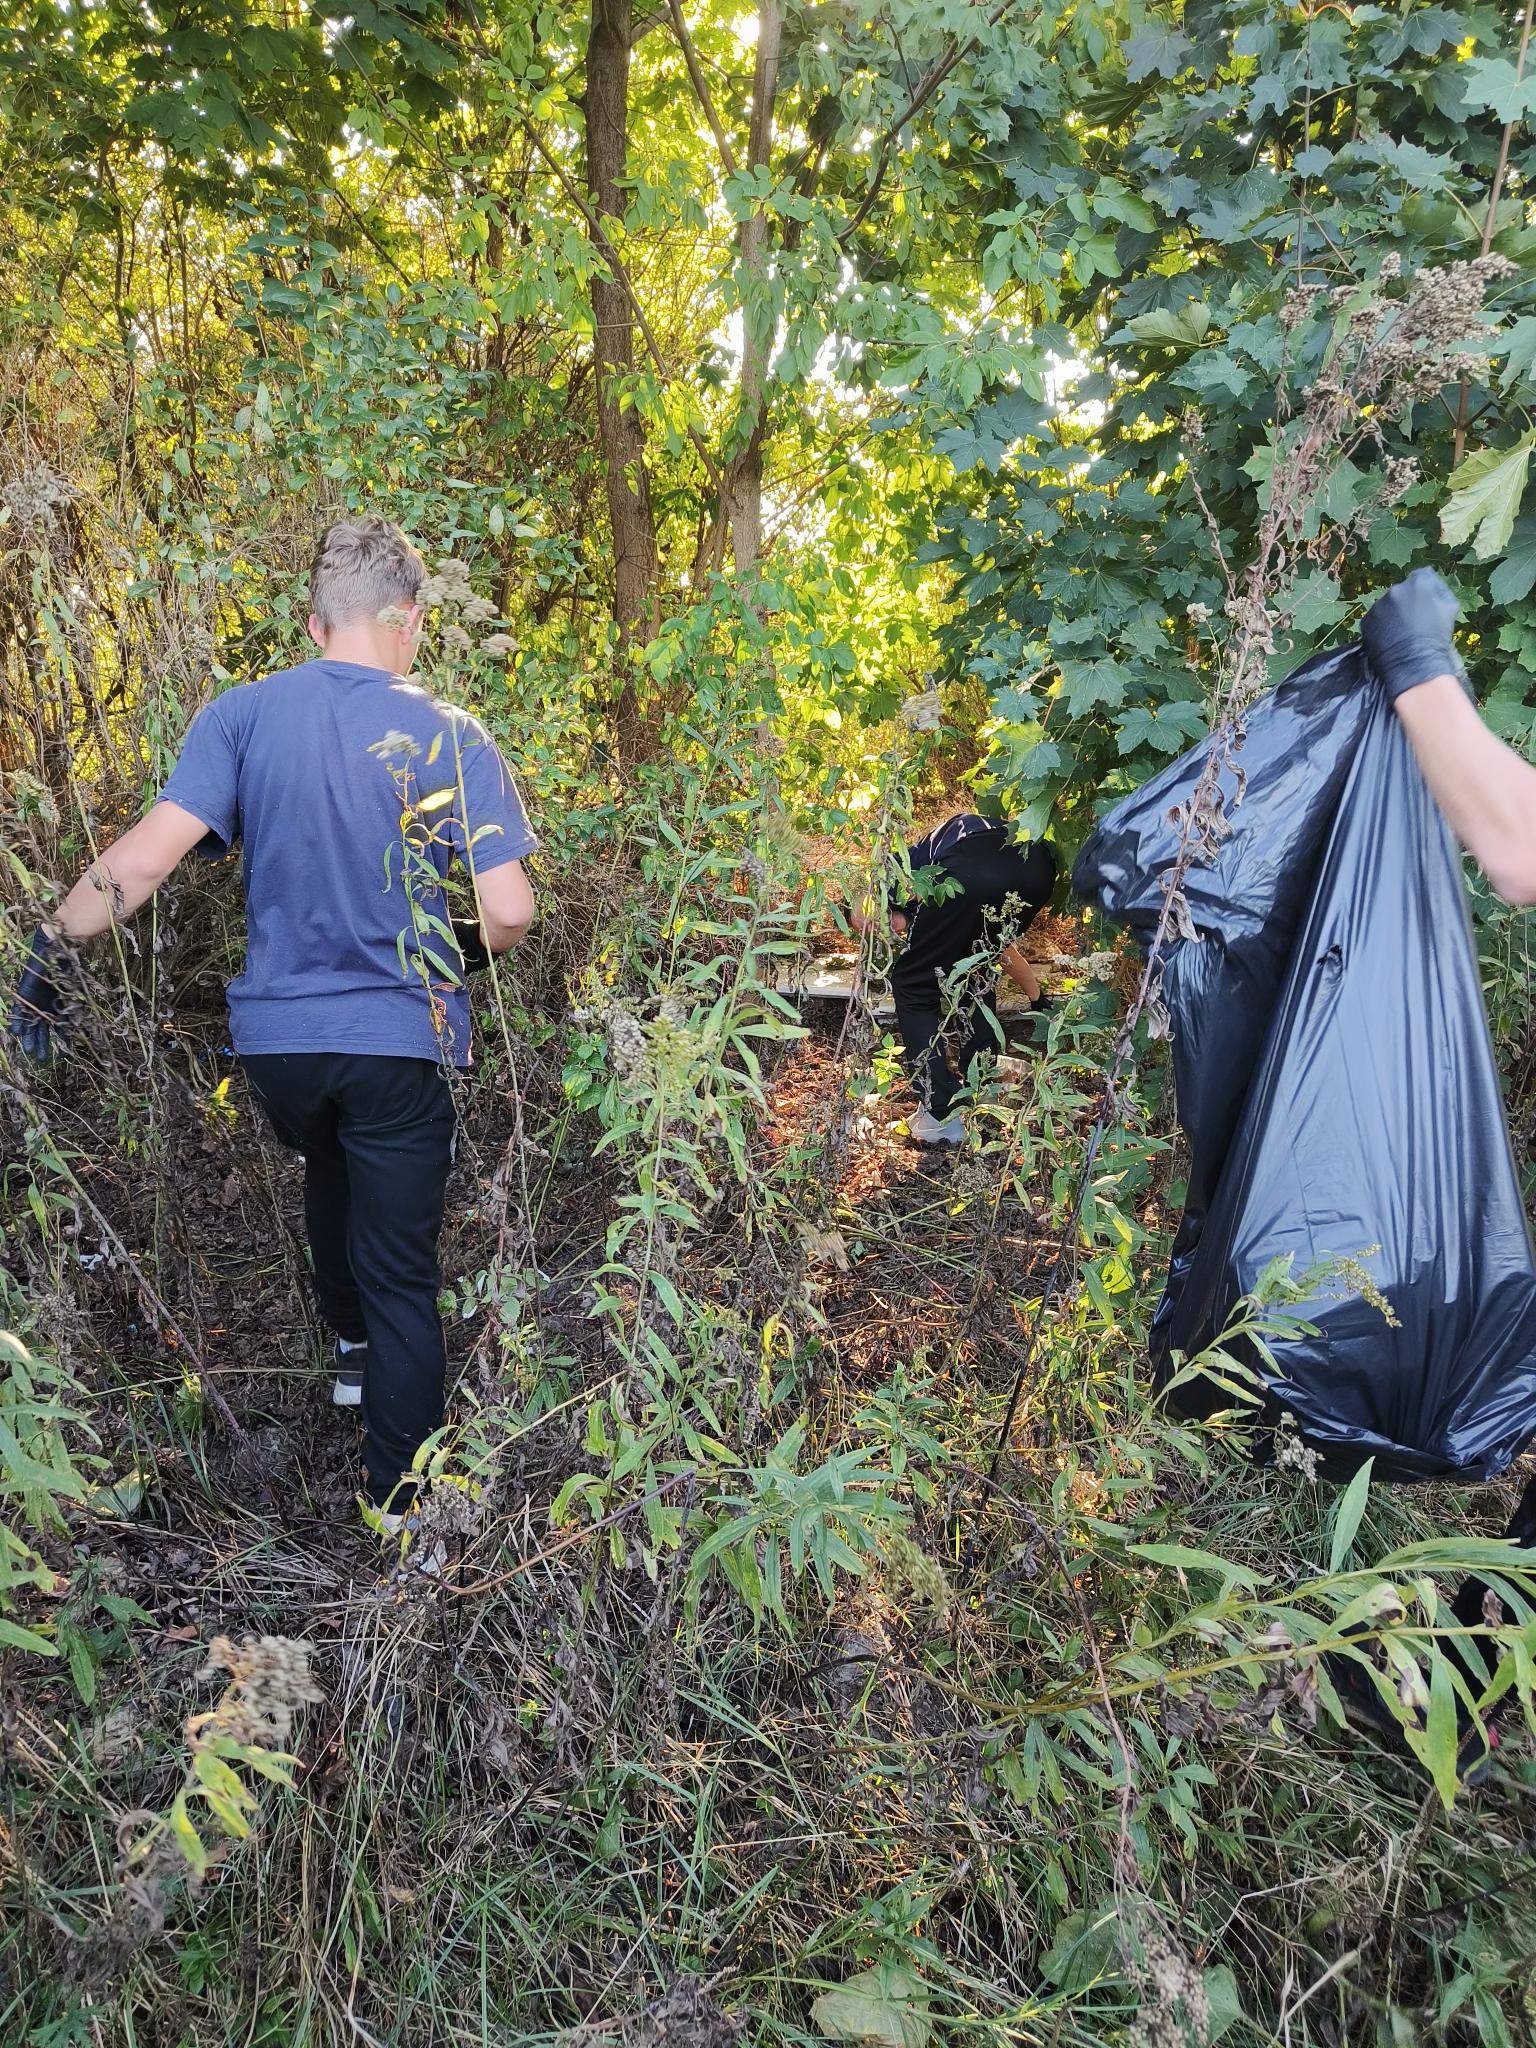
[1485, 790]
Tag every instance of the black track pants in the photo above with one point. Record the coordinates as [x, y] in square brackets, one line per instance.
[377, 1136]
[989, 869]
[1468, 1603]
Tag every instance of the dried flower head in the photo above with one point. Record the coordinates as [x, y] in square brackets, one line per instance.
[394, 618]
[498, 644]
[269, 1682]
[1294, 1454]
[455, 640]
[35, 497]
[1174, 2009]
[1298, 306]
[626, 1043]
[1399, 477]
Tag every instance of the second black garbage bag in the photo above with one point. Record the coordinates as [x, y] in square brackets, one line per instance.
[1336, 1081]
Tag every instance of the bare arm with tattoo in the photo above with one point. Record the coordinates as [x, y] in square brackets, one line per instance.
[124, 877]
[116, 884]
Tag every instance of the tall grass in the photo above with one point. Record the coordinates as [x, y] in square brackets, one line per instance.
[743, 1688]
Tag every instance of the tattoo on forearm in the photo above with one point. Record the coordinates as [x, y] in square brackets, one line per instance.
[106, 884]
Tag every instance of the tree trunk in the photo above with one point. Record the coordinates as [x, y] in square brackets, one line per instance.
[741, 496]
[620, 433]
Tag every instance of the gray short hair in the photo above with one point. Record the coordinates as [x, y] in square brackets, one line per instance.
[361, 567]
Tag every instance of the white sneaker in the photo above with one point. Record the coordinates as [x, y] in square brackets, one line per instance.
[347, 1387]
[926, 1129]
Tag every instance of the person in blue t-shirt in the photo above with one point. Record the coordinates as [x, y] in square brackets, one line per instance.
[351, 793]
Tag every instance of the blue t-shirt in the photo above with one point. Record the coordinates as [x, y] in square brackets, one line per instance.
[352, 792]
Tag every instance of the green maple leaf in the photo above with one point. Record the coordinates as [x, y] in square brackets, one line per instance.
[1485, 497]
[1492, 82]
[1156, 53]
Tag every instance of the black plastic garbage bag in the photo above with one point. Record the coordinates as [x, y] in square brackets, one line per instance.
[1337, 1084]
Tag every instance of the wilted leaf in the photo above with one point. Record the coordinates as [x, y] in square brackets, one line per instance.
[1184, 329]
[888, 2004]
[1485, 497]
[824, 1247]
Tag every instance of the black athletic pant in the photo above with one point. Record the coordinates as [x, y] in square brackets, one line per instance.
[1468, 1603]
[990, 868]
[377, 1138]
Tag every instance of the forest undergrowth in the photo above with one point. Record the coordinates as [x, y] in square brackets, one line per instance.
[746, 1709]
[837, 1640]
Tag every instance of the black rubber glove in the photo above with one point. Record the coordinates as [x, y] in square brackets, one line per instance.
[472, 947]
[1407, 634]
[39, 1002]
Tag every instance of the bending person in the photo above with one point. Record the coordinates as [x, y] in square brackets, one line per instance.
[980, 890]
[353, 792]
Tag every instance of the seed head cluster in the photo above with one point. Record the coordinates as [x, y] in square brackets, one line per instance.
[448, 589]
[1174, 2008]
[626, 1043]
[1294, 1454]
[269, 1682]
[911, 1571]
[448, 584]
[35, 498]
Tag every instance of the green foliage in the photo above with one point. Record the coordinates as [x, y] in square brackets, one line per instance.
[40, 1476]
[1485, 497]
[743, 1699]
[825, 1522]
[1327, 144]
